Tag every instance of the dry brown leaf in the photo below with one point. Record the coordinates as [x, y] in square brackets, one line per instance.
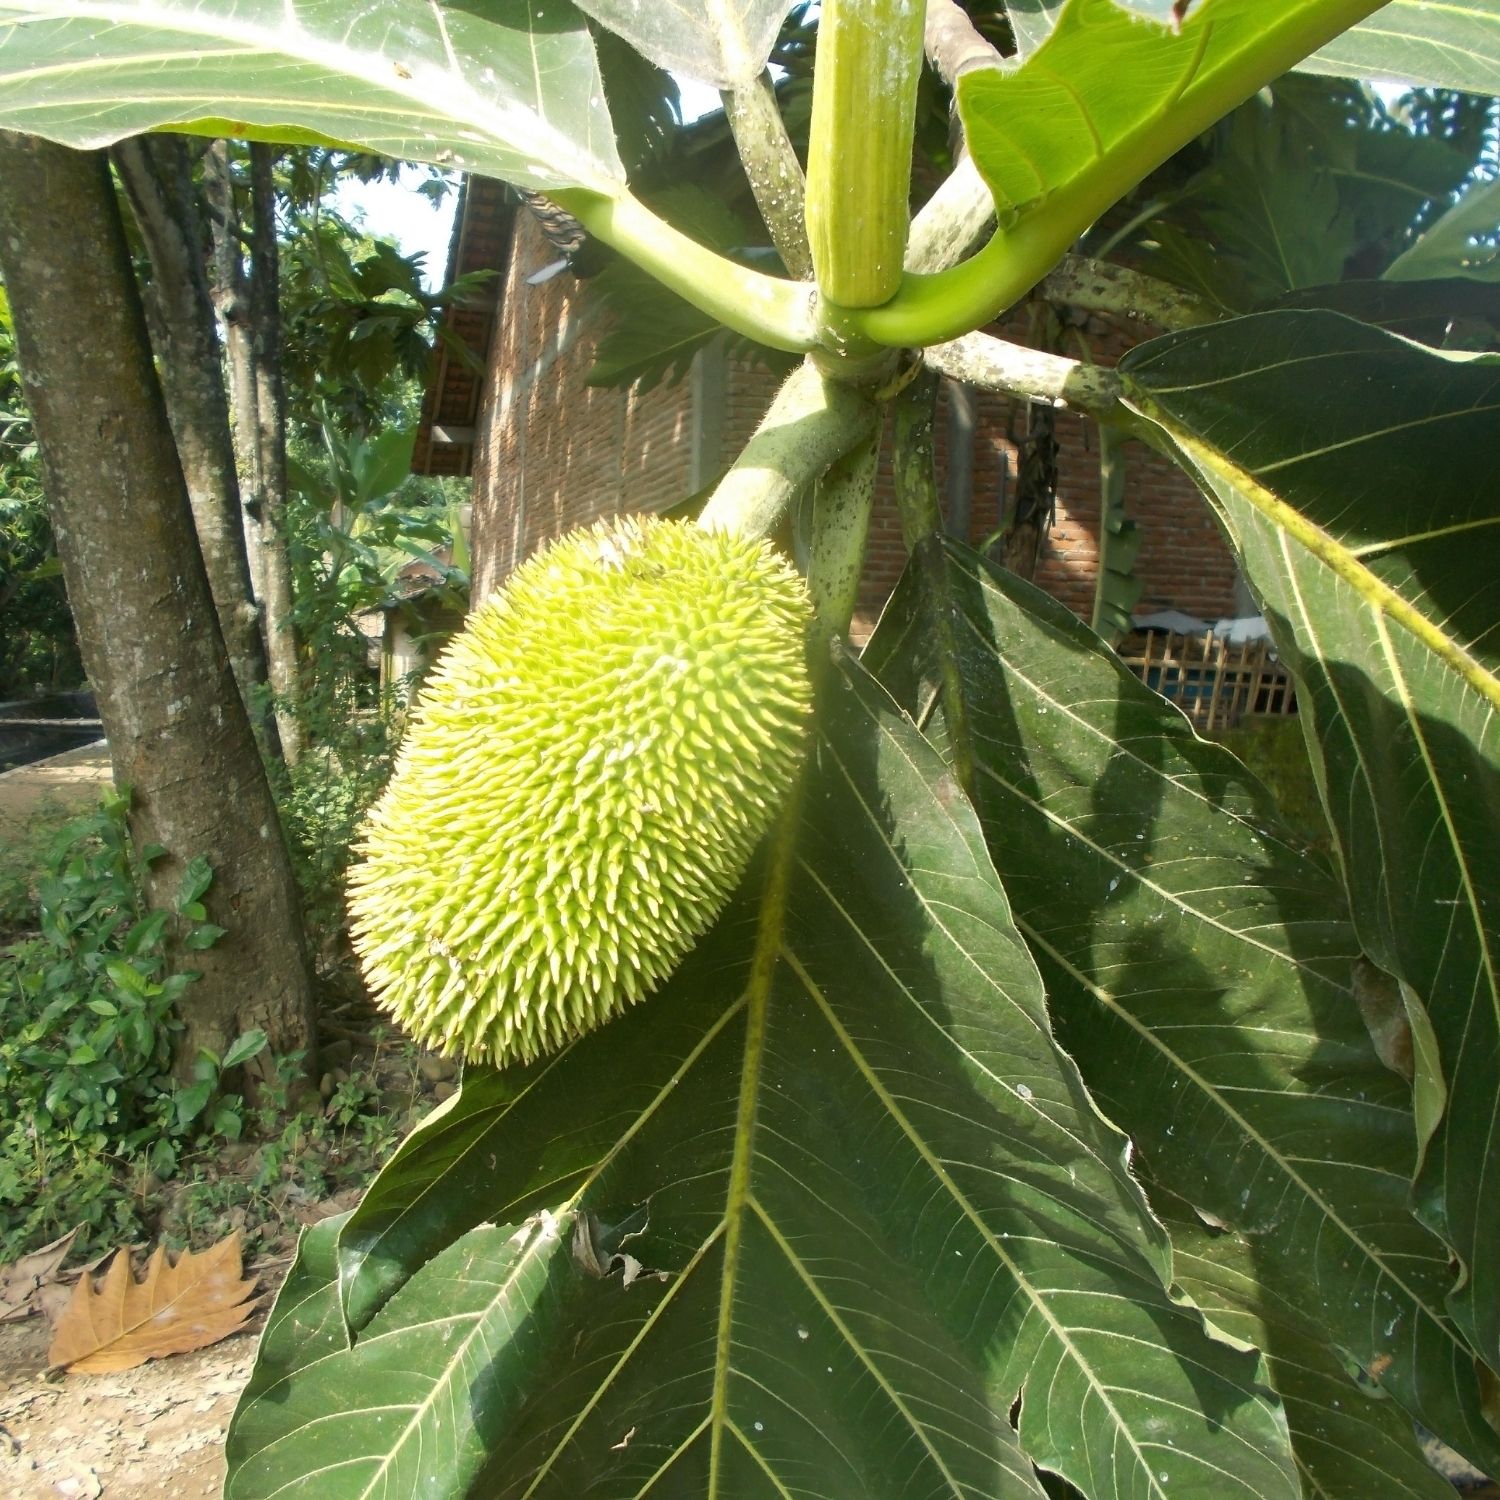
[22, 1280]
[120, 1322]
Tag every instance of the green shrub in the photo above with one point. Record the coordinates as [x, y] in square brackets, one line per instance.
[87, 1096]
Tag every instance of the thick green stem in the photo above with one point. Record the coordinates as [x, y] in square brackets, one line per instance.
[922, 529]
[813, 422]
[774, 172]
[844, 498]
[930, 309]
[765, 308]
[859, 151]
[953, 223]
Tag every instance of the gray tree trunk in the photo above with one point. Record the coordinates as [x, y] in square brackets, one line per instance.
[178, 734]
[230, 293]
[270, 438]
[157, 175]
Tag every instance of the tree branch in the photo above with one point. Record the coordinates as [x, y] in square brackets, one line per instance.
[813, 422]
[983, 360]
[1098, 286]
[773, 169]
[953, 223]
[954, 47]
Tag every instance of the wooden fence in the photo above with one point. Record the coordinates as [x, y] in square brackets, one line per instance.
[1213, 682]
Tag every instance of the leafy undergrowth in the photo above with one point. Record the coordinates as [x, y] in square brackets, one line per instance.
[94, 1130]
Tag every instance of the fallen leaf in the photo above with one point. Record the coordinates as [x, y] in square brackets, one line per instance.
[120, 1322]
[23, 1279]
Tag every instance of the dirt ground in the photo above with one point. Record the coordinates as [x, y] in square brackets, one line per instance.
[155, 1430]
[74, 777]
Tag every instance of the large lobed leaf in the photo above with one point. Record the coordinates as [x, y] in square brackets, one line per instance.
[1109, 95]
[1454, 45]
[510, 88]
[1355, 473]
[1200, 969]
[1349, 1446]
[832, 1203]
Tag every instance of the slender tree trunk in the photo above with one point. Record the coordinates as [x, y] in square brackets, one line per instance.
[231, 299]
[178, 734]
[270, 439]
[157, 174]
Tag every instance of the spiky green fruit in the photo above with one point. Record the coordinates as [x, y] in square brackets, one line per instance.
[593, 762]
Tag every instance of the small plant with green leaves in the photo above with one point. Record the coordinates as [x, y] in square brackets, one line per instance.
[91, 1007]
[1034, 1112]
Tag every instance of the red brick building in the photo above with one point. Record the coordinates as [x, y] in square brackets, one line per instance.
[548, 452]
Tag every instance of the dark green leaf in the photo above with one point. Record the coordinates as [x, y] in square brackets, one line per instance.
[197, 876]
[1356, 473]
[245, 1046]
[1428, 311]
[396, 1414]
[191, 1101]
[1461, 243]
[1350, 1445]
[1200, 968]
[832, 1201]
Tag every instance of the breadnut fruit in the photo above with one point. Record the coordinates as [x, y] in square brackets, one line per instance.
[594, 760]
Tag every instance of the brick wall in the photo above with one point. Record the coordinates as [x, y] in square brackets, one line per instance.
[553, 453]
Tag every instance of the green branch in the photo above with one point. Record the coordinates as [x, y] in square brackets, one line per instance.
[930, 309]
[768, 309]
[813, 422]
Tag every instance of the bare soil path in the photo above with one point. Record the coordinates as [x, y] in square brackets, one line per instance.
[74, 777]
[152, 1431]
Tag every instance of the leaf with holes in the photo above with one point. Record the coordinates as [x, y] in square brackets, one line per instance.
[1201, 970]
[1355, 473]
[832, 1203]
[506, 87]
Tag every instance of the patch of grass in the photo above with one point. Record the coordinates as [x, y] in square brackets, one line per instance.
[24, 844]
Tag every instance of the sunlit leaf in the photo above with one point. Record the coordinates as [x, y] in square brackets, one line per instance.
[723, 42]
[1356, 473]
[1200, 968]
[1454, 45]
[832, 1199]
[1109, 94]
[506, 87]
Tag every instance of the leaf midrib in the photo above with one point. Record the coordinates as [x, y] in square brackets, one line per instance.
[296, 42]
[1333, 554]
[1210, 1091]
